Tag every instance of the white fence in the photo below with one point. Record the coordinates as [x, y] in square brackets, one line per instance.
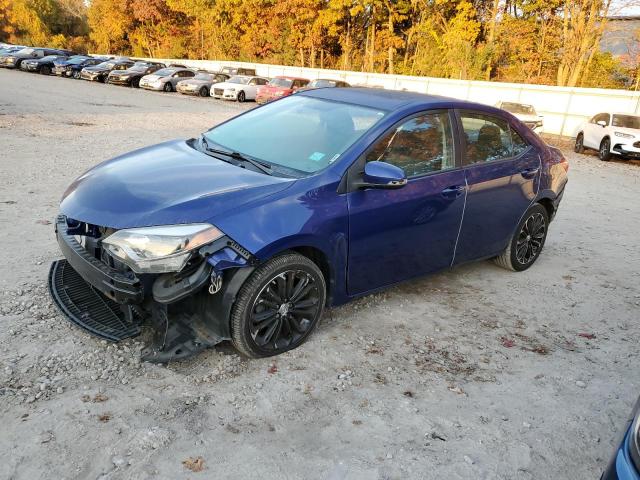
[564, 108]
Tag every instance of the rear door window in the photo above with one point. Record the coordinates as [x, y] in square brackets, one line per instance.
[487, 138]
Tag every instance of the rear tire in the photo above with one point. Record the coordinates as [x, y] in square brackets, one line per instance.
[604, 153]
[579, 146]
[527, 242]
[278, 306]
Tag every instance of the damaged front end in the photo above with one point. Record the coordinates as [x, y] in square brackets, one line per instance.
[181, 280]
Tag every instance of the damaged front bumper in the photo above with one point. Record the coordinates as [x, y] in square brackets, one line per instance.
[113, 302]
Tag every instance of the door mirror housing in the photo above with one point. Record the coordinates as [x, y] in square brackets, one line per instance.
[382, 175]
[602, 123]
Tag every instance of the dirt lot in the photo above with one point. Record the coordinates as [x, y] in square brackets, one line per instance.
[473, 373]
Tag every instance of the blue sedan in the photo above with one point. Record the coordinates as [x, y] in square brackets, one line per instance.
[625, 463]
[248, 232]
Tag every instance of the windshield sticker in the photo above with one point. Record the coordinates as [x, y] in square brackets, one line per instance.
[316, 156]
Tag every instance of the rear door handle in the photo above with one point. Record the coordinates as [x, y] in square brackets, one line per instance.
[530, 172]
[453, 191]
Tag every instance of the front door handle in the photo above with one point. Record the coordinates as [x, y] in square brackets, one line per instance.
[530, 172]
[453, 191]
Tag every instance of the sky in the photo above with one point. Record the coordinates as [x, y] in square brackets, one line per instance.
[625, 8]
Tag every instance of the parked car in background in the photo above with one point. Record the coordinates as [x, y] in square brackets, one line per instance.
[279, 87]
[131, 76]
[525, 113]
[233, 71]
[72, 66]
[99, 72]
[613, 135]
[9, 49]
[248, 232]
[625, 462]
[15, 59]
[165, 79]
[42, 65]
[324, 83]
[239, 88]
[201, 83]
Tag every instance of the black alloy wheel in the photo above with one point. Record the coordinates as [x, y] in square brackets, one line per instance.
[530, 239]
[204, 92]
[579, 146]
[526, 244]
[604, 153]
[278, 306]
[167, 87]
[241, 96]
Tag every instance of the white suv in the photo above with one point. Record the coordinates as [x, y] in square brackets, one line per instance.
[611, 134]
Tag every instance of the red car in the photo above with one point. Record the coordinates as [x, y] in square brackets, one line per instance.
[279, 87]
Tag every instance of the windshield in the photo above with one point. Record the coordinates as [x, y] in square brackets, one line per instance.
[26, 51]
[281, 82]
[77, 61]
[106, 65]
[302, 134]
[322, 83]
[242, 80]
[626, 121]
[203, 76]
[518, 108]
[165, 72]
[121, 66]
[51, 57]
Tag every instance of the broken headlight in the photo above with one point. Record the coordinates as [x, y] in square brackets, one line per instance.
[159, 249]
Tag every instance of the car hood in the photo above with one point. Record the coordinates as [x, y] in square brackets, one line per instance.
[152, 77]
[95, 69]
[164, 184]
[271, 89]
[195, 82]
[229, 85]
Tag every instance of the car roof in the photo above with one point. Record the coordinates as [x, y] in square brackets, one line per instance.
[391, 99]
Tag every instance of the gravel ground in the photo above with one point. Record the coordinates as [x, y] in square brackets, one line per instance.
[472, 373]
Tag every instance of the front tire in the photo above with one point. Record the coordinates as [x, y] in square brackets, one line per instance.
[135, 83]
[241, 96]
[526, 244]
[204, 92]
[278, 306]
[76, 75]
[604, 153]
[45, 70]
[168, 87]
[579, 146]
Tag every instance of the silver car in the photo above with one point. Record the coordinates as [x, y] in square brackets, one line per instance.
[166, 79]
[201, 83]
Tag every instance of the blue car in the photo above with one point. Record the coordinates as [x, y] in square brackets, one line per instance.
[248, 232]
[625, 463]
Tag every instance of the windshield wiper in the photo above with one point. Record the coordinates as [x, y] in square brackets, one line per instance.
[237, 156]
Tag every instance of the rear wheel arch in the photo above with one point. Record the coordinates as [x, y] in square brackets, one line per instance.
[547, 203]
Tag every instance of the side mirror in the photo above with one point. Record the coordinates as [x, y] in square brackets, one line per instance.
[602, 123]
[382, 175]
